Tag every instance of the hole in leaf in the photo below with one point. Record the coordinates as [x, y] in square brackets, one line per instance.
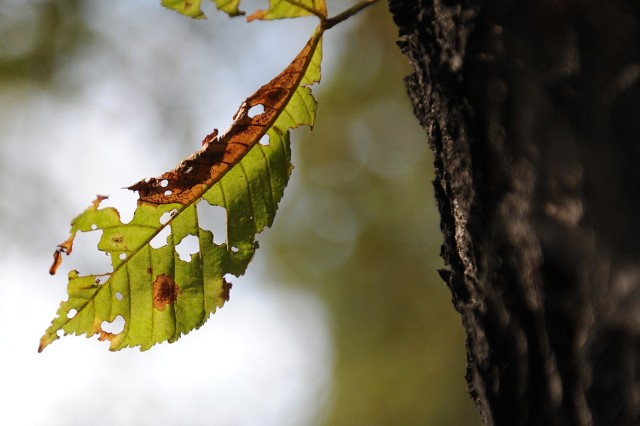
[114, 327]
[94, 227]
[235, 249]
[72, 313]
[160, 240]
[264, 140]
[118, 295]
[164, 183]
[168, 192]
[255, 110]
[214, 219]
[122, 256]
[166, 216]
[125, 202]
[86, 242]
[188, 246]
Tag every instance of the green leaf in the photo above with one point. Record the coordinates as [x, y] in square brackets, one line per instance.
[160, 296]
[229, 6]
[192, 8]
[279, 9]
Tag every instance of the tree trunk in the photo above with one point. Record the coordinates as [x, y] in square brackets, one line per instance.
[532, 109]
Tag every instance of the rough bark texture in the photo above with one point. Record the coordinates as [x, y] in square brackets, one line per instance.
[532, 109]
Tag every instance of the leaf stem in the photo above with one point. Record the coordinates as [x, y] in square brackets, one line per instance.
[330, 22]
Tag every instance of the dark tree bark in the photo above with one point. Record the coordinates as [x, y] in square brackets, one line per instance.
[532, 109]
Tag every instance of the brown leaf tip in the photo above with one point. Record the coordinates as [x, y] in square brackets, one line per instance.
[226, 290]
[105, 335]
[65, 248]
[99, 198]
[165, 291]
[57, 260]
[258, 14]
[211, 137]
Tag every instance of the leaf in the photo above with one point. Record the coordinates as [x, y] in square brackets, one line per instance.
[229, 6]
[291, 9]
[192, 8]
[160, 296]
[278, 9]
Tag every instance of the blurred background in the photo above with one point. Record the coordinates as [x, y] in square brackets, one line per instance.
[341, 318]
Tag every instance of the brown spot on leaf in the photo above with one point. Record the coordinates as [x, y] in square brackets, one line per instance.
[149, 271]
[218, 154]
[165, 291]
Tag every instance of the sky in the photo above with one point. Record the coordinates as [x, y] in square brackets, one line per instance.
[263, 359]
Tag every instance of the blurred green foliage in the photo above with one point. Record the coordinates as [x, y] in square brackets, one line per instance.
[36, 36]
[358, 225]
[360, 229]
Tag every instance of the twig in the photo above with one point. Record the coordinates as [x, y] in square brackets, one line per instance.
[330, 22]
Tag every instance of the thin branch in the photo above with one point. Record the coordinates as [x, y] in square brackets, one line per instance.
[330, 22]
